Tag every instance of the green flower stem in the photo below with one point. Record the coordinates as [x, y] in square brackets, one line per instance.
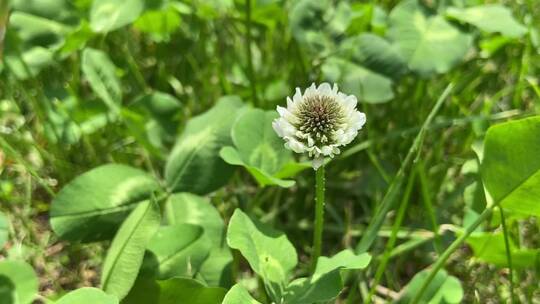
[319, 216]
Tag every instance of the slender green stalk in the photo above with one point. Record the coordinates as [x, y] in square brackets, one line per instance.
[428, 203]
[319, 216]
[251, 70]
[508, 257]
[446, 254]
[392, 241]
[390, 197]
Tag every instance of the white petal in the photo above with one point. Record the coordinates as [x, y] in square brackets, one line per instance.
[326, 150]
[324, 89]
[350, 102]
[317, 162]
[295, 145]
[290, 103]
[310, 141]
[335, 88]
[277, 127]
[297, 96]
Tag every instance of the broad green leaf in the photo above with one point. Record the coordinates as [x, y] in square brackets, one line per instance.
[109, 15]
[4, 226]
[92, 206]
[187, 208]
[257, 142]
[194, 164]
[18, 282]
[30, 26]
[52, 9]
[367, 85]
[77, 39]
[125, 255]
[269, 253]
[428, 42]
[87, 295]
[326, 282]
[239, 295]
[491, 248]
[179, 250]
[510, 171]
[101, 75]
[192, 209]
[443, 289]
[491, 18]
[377, 54]
[174, 291]
[31, 62]
[159, 24]
[230, 155]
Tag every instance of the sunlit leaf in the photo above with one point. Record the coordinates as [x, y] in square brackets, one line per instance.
[194, 164]
[443, 289]
[92, 206]
[18, 282]
[125, 255]
[428, 42]
[109, 15]
[4, 226]
[238, 294]
[510, 171]
[268, 251]
[101, 75]
[491, 18]
[87, 295]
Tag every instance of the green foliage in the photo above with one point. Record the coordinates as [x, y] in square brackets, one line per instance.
[428, 42]
[194, 164]
[490, 248]
[125, 255]
[258, 148]
[109, 15]
[104, 196]
[87, 295]
[510, 171]
[442, 289]
[491, 18]
[178, 250]
[238, 294]
[269, 252]
[18, 282]
[4, 226]
[174, 291]
[101, 75]
[325, 284]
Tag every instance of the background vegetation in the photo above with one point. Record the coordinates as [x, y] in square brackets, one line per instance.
[86, 83]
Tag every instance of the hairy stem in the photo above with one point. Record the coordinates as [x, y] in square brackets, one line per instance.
[319, 216]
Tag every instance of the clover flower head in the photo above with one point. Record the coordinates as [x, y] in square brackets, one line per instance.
[319, 121]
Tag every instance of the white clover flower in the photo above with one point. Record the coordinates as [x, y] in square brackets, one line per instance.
[319, 122]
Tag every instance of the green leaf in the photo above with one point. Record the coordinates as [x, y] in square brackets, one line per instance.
[428, 42]
[77, 39]
[87, 295]
[377, 54]
[30, 27]
[160, 24]
[490, 248]
[178, 250]
[443, 289]
[491, 18]
[258, 148]
[368, 86]
[326, 282]
[4, 228]
[100, 72]
[109, 15]
[92, 206]
[18, 282]
[194, 164]
[239, 295]
[187, 208]
[174, 291]
[192, 209]
[510, 171]
[269, 253]
[125, 256]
